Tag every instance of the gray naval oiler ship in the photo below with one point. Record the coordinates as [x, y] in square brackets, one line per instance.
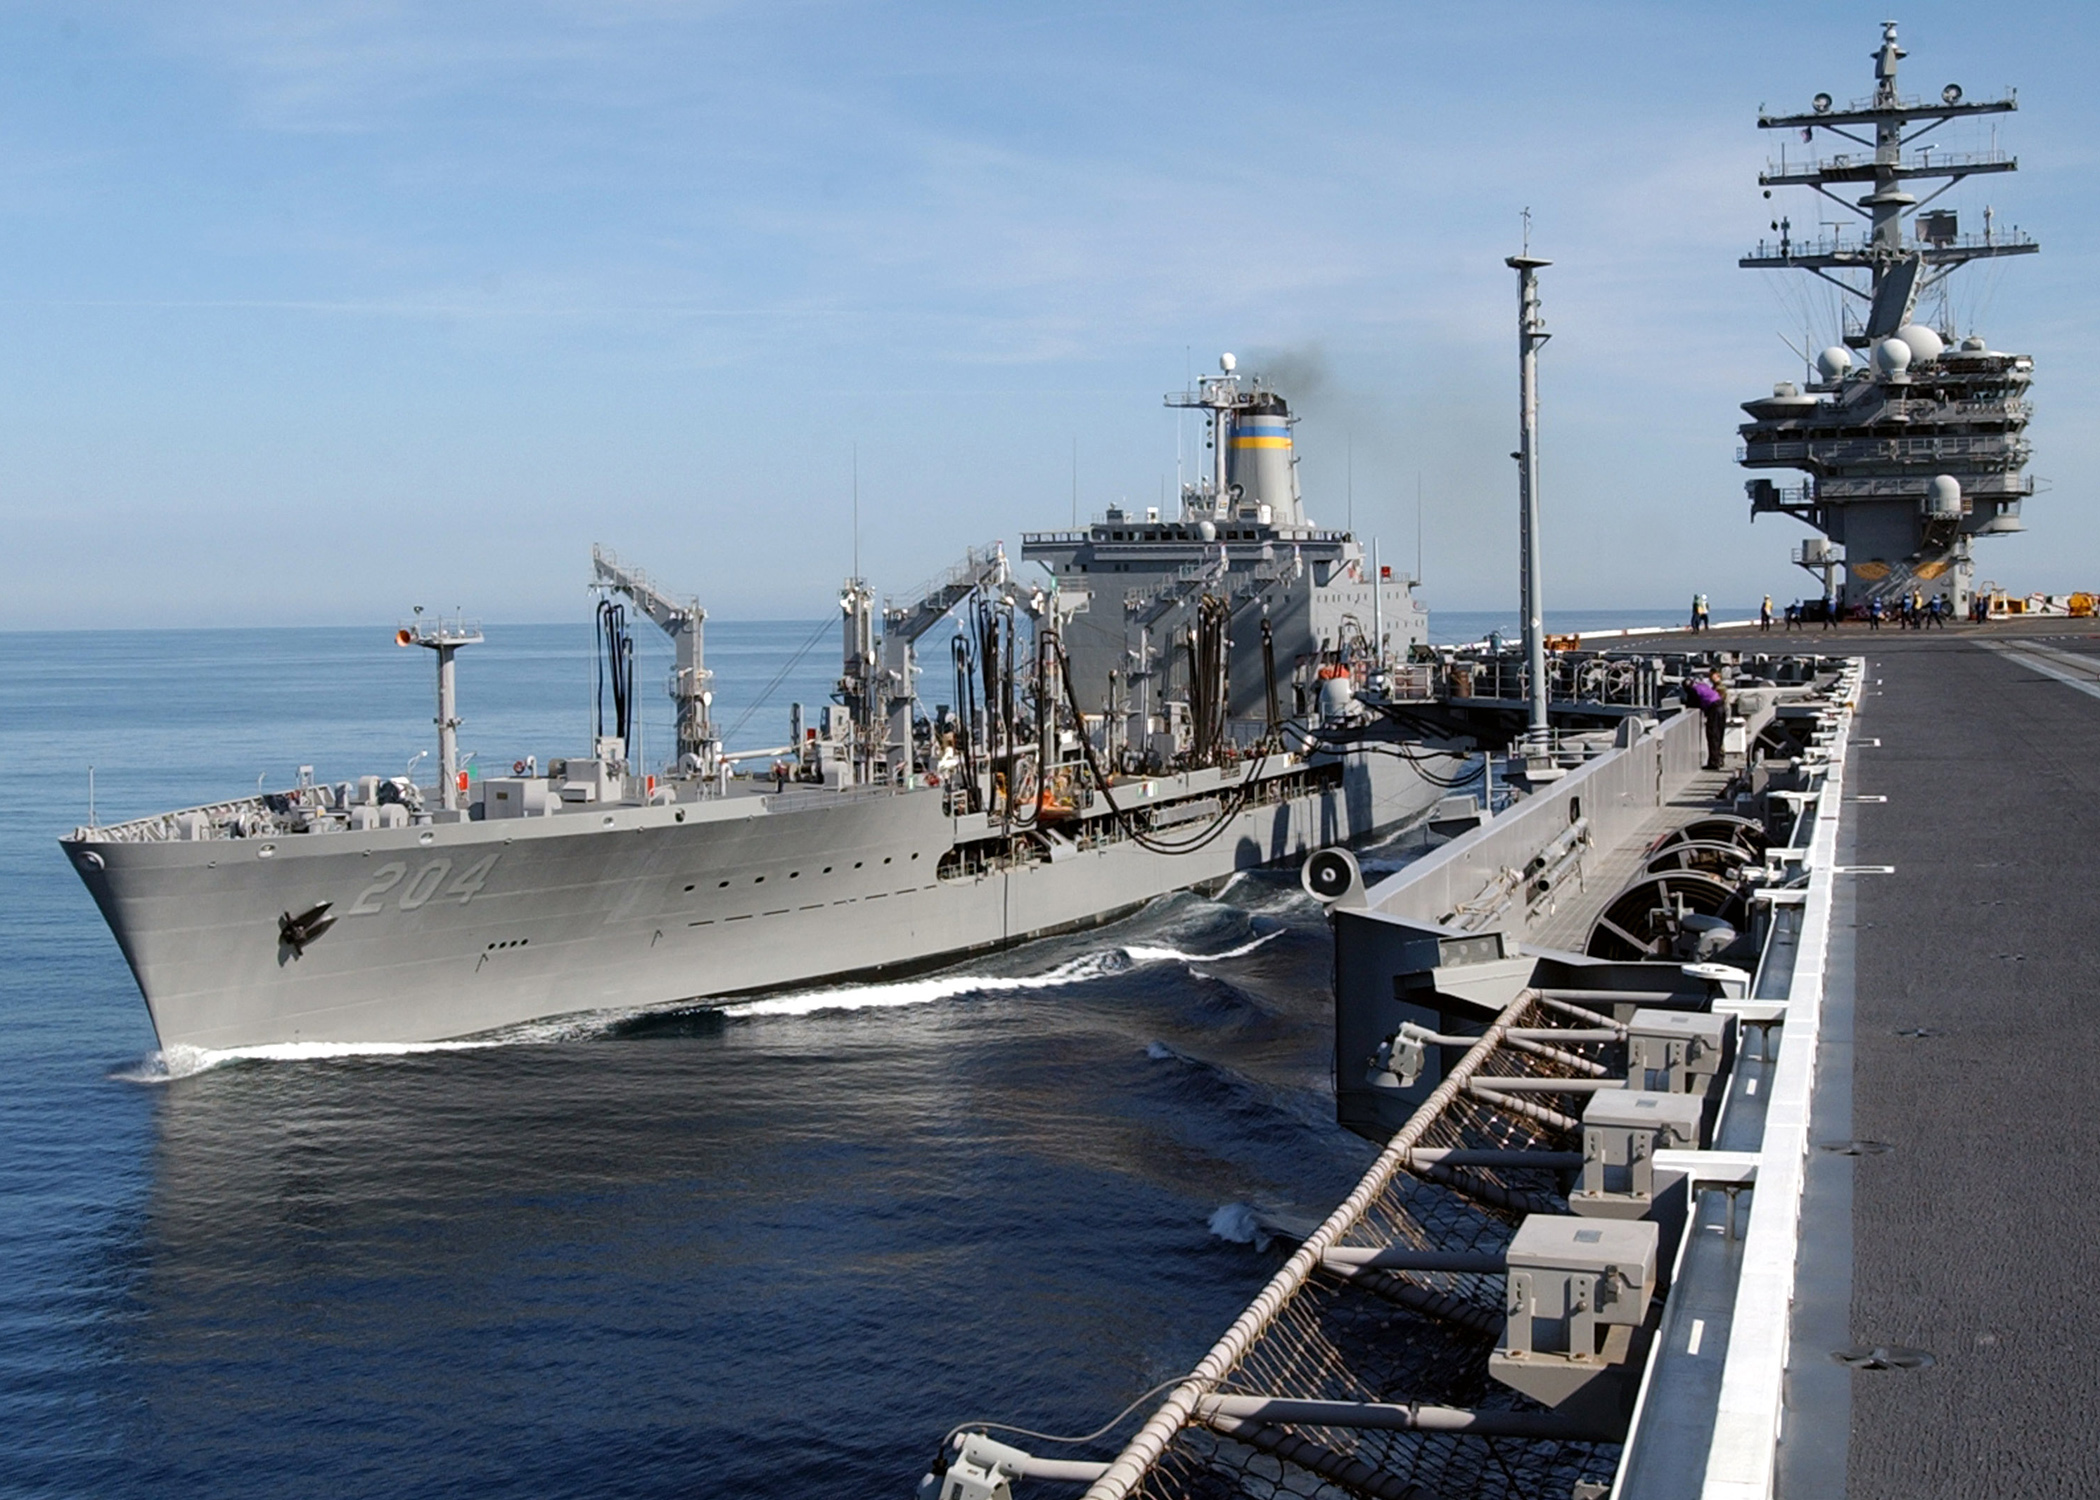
[1178, 698]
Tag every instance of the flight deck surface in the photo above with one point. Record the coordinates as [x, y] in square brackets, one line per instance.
[1965, 1226]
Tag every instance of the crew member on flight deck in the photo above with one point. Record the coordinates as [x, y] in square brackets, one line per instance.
[1711, 699]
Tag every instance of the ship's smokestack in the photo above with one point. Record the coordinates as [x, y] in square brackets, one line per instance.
[1259, 459]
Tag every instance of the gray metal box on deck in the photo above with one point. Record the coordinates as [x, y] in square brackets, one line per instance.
[1676, 1051]
[1577, 1288]
[1622, 1129]
[515, 797]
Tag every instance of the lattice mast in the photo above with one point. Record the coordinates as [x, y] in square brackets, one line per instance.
[1924, 447]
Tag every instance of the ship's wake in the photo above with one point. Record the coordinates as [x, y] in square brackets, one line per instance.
[1244, 1224]
[177, 1061]
[936, 987]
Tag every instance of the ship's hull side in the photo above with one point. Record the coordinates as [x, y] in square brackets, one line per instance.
[452, 930]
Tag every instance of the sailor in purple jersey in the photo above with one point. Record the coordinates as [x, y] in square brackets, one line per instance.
[1711, 699]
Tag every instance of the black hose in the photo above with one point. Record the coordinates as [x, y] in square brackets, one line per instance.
[1210, 678]
[1314, 743]
[1142, 837]
[966, 710]
[1268, 674]
[615, 662]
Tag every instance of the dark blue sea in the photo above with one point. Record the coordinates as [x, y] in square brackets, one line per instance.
[775, 1251]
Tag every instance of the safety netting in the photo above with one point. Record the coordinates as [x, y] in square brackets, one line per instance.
[1329, 1328]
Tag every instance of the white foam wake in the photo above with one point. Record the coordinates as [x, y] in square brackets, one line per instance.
[179, 1061]
[920, 991]
[1239, 1224]
[937, 987]
[1140, 954]
[1244, 1224]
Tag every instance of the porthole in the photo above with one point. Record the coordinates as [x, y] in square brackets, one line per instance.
[689, 890]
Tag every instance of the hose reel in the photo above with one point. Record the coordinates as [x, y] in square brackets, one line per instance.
[1687, 915]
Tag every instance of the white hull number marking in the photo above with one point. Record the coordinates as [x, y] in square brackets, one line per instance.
[420, 891]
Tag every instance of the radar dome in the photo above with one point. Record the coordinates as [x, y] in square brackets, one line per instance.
[1925, 345]
[1227, 363]
[1207, 531]
[1892, 357]
[1973, 344]
[1943, 497]
[1834, 362]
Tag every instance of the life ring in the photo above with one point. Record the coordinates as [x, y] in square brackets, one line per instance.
[517, 768]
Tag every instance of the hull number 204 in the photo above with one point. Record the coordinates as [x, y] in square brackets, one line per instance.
[428, 884]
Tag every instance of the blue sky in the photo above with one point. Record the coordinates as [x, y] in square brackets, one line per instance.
[312, 312]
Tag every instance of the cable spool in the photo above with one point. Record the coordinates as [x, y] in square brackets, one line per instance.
[1329, 875]
[1644, 921]
[1714, 857]
[1722, 828]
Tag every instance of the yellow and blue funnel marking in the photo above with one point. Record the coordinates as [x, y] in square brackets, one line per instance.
[1261, 432]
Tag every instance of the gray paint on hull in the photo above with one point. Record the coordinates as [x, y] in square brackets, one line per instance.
[638, 911]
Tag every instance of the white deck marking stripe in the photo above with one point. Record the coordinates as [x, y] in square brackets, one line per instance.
[1691, 1345]
[2077, 661]
[2034, 663]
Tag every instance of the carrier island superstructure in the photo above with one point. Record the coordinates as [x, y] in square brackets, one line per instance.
[1170, 700]
[1921, 447]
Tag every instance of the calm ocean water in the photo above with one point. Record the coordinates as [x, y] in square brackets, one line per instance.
[773, 1251]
